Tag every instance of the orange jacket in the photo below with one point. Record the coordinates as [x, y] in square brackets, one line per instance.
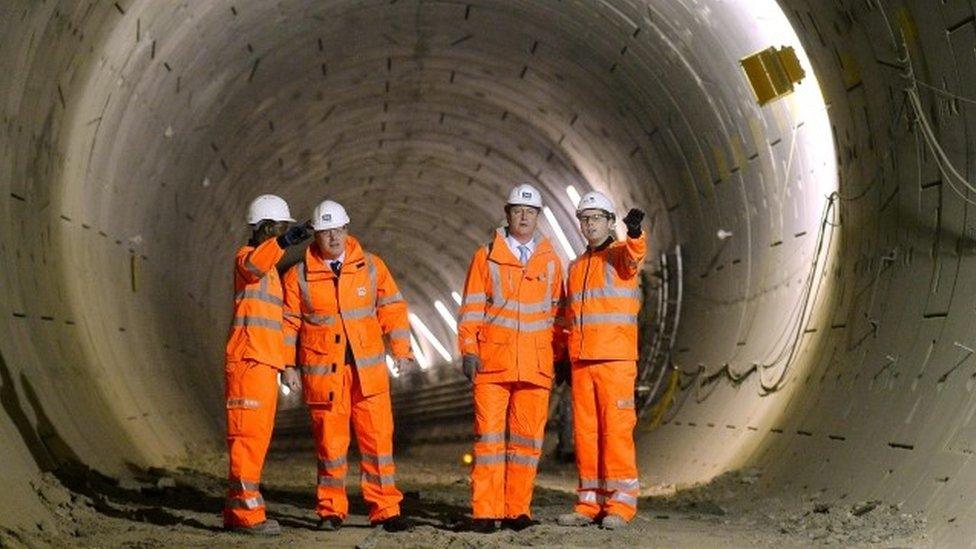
[321, 311]
[506, 317]
[255, 332]
[602, 301]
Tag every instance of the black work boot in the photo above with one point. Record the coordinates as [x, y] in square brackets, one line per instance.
[330, 524]
[519, 523]
[397, 523]
[483, 526]
[269, 527]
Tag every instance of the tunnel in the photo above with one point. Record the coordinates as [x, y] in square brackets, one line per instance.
[806, 307]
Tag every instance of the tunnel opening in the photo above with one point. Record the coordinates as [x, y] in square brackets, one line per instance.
[137, 132]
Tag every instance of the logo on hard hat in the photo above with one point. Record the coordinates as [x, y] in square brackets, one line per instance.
[526, 194]
[326, 217]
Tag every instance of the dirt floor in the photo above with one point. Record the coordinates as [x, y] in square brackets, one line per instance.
[181, 508]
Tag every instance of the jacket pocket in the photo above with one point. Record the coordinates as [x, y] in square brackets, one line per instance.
[495, 349]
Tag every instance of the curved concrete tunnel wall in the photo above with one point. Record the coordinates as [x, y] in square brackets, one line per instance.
[136, 132]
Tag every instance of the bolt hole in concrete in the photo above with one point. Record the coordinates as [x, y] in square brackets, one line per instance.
[772, 406]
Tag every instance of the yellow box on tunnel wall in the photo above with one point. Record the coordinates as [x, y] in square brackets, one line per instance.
[772, 72]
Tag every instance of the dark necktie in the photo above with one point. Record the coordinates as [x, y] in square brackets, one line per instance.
[336, 266]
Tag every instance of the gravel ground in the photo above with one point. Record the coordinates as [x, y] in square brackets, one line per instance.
[181, 508]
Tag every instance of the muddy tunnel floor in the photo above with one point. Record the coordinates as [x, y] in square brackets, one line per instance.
[181, 508]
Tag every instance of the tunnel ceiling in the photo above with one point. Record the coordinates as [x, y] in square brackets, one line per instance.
[135, 133]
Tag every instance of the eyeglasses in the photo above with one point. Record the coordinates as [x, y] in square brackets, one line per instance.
[594, 218]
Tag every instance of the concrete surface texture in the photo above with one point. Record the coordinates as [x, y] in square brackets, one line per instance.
[824, 240]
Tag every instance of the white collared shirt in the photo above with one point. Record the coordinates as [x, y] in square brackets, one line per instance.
[341, 259]
[513, 245]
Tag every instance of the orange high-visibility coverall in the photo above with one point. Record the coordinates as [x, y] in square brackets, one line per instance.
[254, 355]
[603, 300]
[506, 319]
[340, 323]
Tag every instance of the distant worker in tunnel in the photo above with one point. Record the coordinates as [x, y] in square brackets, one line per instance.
[508, 341]
[603, 300]
[340, 303]
[255, 355]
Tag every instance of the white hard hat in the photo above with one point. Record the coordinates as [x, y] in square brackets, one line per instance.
[329, 215]
[268, 206]
[594, 200]
[525, 195]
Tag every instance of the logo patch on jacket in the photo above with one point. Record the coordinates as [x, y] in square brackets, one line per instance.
[361, 291]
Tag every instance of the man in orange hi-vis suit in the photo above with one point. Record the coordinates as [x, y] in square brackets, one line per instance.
[603, 300]
[506, 337]
[255, 354]
[340, 302]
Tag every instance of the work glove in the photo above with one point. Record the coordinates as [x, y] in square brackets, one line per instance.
[633, 222]
[562, 369]
[405, 366]
[470, 364]
[294, 235]
[292, 379]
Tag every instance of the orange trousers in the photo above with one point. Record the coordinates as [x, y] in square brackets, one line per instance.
[504, 468]
[251, 390]
[603, 427]
[372, 417]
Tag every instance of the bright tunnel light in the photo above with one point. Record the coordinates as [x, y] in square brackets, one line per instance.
[560, 235]
[457, 297]
[390, 365]
[446, 315]
[418, 353]
[574, 195]
[429, 336]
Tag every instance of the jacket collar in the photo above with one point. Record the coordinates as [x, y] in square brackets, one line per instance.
[500, 252]
[315, 262]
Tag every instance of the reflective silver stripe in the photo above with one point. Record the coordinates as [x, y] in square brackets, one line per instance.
[382, 480]
[551, 274]
[361, 312]
[319, 320]
[240, 484]
[496, 283]
[253, 269]
[316, 369]
[472, 316]
[337, 462]
[303, 286]
[371, 267]
[383, 459]
[489, 459]
[608, 271]
[371, 361]
[622, 484]
[400, 333]
[291, 340]
[531, 461]
[607, 318]
[332, 482]
[246, 503]
[473, 298]
[260, 296]
[247, 403]
[525, 441]
[590, 497]
[625, 404]
[257, 321]
[589, 483]
[536, 326]
[491, 437]
[542, 307]
[624, 497]
[386, 300]
[612, 291]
